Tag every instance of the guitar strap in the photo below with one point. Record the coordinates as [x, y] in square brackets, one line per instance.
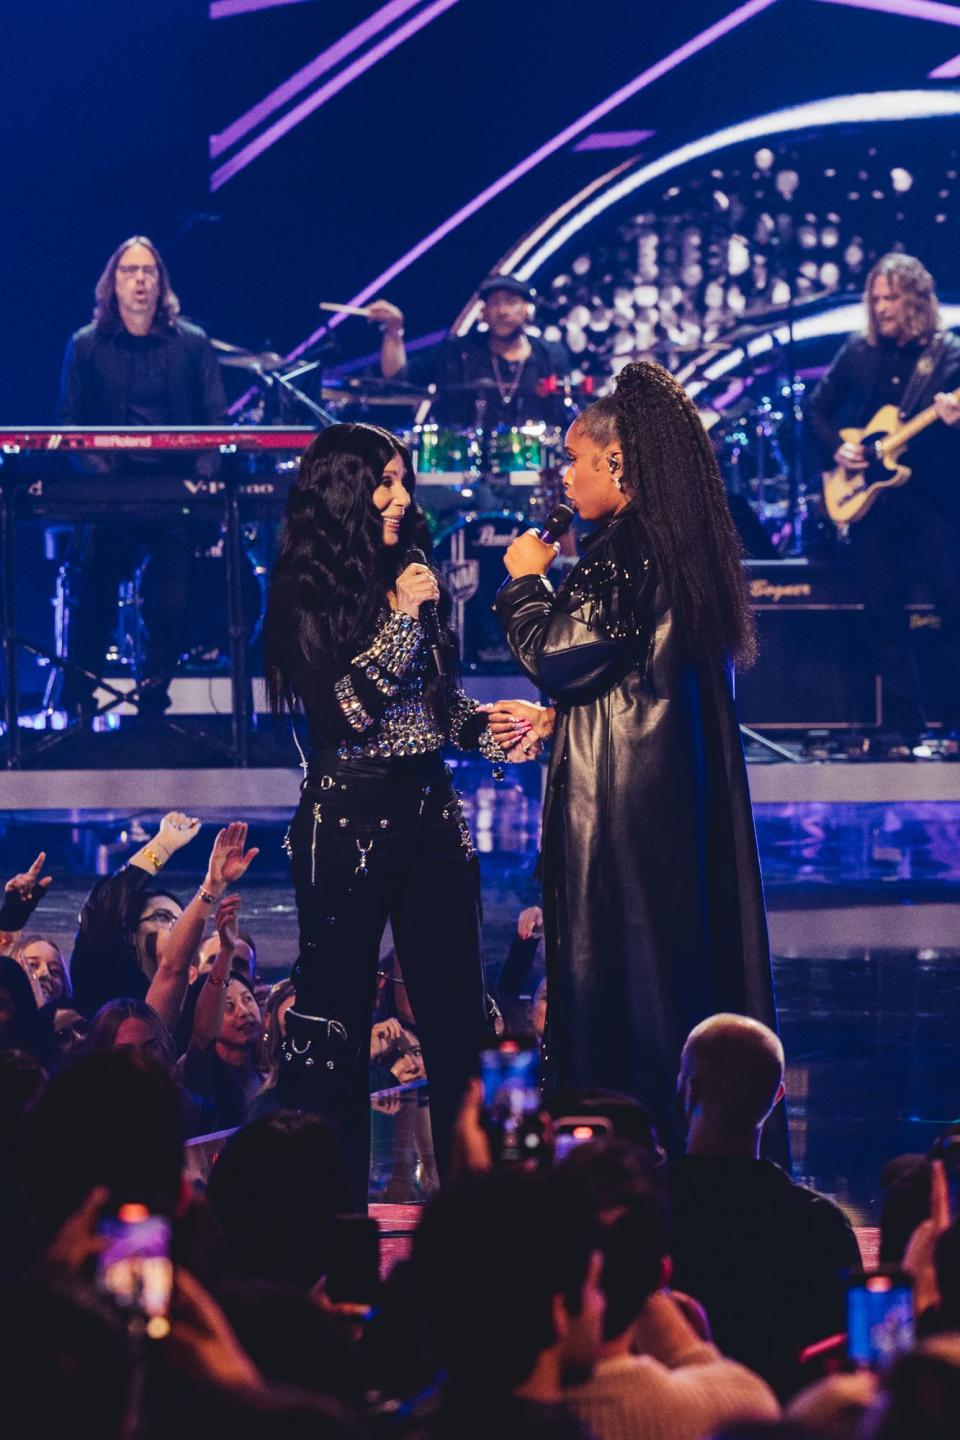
[923, 372]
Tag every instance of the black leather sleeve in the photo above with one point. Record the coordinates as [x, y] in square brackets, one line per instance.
[564, 652]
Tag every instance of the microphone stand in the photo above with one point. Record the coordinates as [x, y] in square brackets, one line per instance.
[284, 379]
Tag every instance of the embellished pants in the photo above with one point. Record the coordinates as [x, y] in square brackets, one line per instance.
[374, 840]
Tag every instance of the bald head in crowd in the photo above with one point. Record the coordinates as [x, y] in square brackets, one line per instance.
[731, 1077]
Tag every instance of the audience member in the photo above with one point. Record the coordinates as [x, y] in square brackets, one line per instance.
[279, 999]
[134, 1027]
[273, 1187]
[292, 1340]
[919, 1397]
[42, 960]
[21, 896]
[656, 1376]
[244, 955]
[221, 1059]
[228, 863]
[506, 1273]
[68, 1363]
[399, 1058]
[22, 1025]
[906, 1202]
[70, 1033]
[124, 921]
[833, 1408]
[112, 1120]
[626, 1115]
[764, 1255]
[22, 1082]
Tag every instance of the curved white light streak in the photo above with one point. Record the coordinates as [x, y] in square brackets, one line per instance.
[841, 320]
[839, 110]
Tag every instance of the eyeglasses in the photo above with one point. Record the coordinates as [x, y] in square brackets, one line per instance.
[150, 271]
[162, 917]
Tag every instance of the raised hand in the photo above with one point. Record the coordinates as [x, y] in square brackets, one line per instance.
[228, 862]
[177, 830]
[29, 885]
[530, 922]
[227, 925]
[389, 316]
[383, 1035]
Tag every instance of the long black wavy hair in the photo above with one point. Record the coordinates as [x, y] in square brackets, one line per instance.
[671, 475]
[332, 575]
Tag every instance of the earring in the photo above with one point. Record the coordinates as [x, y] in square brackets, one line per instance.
[613, 465]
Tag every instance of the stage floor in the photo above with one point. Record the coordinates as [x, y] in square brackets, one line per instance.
[864, 900]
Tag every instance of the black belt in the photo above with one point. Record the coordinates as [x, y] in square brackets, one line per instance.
[398, 769]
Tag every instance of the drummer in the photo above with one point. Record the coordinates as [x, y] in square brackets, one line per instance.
[497, 375]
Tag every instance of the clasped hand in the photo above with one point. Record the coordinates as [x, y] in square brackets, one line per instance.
[416, 585]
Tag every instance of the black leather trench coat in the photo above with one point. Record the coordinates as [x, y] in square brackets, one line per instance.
[653, 902]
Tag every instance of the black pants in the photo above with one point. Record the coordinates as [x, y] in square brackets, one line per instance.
[374, 840]
[108, 554]
[898, 539]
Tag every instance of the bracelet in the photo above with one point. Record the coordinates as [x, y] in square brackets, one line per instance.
[153, 857]
[221, 984]
[205, 896]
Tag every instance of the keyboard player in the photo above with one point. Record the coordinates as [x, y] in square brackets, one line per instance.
[137, 363]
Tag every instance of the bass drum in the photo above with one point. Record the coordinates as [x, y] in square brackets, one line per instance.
[207, 638]
[469, 555]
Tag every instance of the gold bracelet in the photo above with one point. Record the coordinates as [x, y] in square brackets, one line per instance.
[205, 896]
[221, 984]
[153, 857]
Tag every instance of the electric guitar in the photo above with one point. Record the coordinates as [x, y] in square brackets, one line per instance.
[848, 494]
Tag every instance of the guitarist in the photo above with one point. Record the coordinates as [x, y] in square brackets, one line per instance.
[906, 359]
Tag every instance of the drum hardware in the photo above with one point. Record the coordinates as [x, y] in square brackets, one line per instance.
[470, 554]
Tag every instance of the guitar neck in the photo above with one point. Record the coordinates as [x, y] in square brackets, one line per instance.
[912, 427]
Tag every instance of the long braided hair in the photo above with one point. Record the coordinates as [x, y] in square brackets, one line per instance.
[671, 474]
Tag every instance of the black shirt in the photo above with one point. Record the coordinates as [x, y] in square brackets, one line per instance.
[765, 1256]
[897, 364]
[863, 377]
[168, 377]
[514, 391]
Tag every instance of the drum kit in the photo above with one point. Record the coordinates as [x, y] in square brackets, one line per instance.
[482, 485]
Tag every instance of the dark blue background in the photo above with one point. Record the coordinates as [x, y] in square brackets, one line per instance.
[106, 109]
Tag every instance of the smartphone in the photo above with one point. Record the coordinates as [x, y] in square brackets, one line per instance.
[569, 1131]
[353, 1274]
[510, 1071]
[135, 1268]
[879, 1316]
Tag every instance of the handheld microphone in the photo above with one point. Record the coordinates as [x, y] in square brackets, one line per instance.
[557, 523]
[429, 618]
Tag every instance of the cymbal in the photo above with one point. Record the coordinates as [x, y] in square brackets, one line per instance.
[375, 390]
[234, 357]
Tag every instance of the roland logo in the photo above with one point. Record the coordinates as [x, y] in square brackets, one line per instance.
[766, 590]
[488, 535]
[122, 442]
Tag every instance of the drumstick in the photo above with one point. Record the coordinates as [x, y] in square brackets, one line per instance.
[344, 309]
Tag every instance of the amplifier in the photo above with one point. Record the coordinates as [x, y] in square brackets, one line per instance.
[812, 672]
